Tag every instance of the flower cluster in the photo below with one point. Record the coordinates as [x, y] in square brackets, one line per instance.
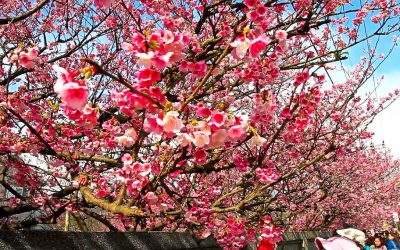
[267, 175]
[270, 233]
[251, 44]
[231, 233]
[128, 101]
[87, 117]
[73, 92]
[27, 58]
[103, 3]
[198, 69]
[158, 49]
[265, 105]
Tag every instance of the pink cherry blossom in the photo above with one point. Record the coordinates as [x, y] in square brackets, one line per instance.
[240, 48]
[218, 119]
[151, 59]
[237, 131]
[74, 95]
[103, 3]
[198, 69]
[201, 139]
[254, 46]
[218, 138]
[171, 122]
[126, 159]
[145, 169]
[129, 49]
[241, 163]
[257, 141]
[72, 92]
[128, 139]
[154, 125]
[200, 156]
[151, 198]
[251, 3]
[184, 139]
[146, 59]
[148, 77]
[138, 44]
[125, 141]
[261, 9]
[203, 112]
[281, 35]
[258, 45]
[267, 176]
[29, 59]
[162, 60]
[301, 77]
[286, 113]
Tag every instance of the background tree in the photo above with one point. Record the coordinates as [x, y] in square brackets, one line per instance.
[208, 116]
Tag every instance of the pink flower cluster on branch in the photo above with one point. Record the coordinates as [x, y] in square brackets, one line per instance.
[73, 92]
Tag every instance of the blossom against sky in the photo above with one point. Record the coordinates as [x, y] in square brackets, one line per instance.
[386, 124]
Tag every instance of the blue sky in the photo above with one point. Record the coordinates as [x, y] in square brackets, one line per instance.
[386, 125]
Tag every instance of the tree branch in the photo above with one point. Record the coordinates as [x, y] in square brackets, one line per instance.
[25, 15]
[102, 203]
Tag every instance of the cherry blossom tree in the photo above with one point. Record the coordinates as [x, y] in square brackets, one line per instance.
[359, 189]
[220, 117]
